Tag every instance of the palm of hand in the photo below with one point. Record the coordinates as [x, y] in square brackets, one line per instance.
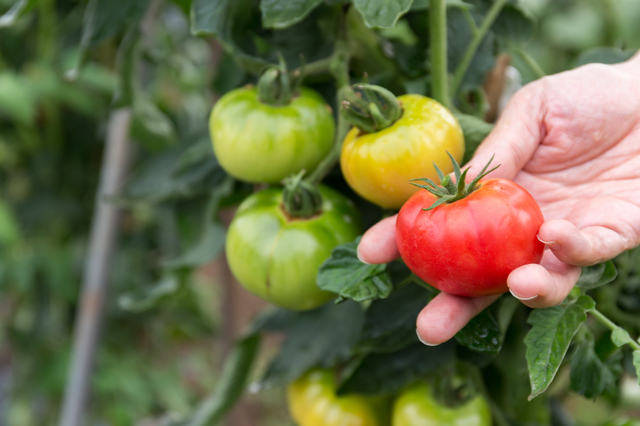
[587, 167]
[573, 141]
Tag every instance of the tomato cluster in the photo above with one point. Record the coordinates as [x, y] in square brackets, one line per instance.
[274, 254]
[463, 238]
[312, 401]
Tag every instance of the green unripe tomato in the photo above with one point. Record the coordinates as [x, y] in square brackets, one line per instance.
[312, 401]
[277, 257]
[256, 142]
[416, 406]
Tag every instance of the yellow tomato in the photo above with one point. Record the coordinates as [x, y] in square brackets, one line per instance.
[312, 402]
[379, 166]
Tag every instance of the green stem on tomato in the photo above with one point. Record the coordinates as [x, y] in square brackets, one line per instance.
[410, 279]
[438, 42]
[475, 43]
[612, 326]
[321, 66]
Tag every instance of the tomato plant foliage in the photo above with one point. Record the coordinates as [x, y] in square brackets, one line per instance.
[201, 50]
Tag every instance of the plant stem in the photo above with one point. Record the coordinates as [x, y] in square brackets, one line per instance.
[332, 158]
[470, 21]
[410, 279]
[339, 67]
[475, 43]
[612, 326]
[531, 63]
[319, 67]
[438, 40]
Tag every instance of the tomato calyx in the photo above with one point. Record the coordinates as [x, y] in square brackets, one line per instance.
[449, 191]
[300, 199]
[453, 390]
[370, 108]
[276, 86]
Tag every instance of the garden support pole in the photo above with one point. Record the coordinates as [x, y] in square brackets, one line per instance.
[102, 241]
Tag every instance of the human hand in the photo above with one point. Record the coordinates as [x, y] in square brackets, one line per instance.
[573, 141]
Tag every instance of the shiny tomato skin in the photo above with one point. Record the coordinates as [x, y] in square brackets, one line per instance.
[469, 247]
[256, 142]
[312, 401]
[277, 257]
[378, 166]
[416, 406]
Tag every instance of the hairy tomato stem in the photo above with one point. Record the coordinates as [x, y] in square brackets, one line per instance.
[438, 41]
[339, 67]
[612, 326]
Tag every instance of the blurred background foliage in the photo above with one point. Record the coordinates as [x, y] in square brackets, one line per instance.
[52, 129]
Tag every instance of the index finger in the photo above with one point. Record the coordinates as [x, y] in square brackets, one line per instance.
[378, 244]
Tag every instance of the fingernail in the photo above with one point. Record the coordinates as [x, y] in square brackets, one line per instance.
[546, 242]
[423, 342]
[522, 298]
[360, 257]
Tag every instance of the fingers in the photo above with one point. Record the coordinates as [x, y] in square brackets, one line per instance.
[516, 136]
[447, 314]
[378, 244]
[586, 246]
[537, 286]
[544, 285]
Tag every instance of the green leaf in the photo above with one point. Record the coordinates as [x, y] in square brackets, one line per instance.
[390, 324]
[636, 363]
[17, 98]
[205, 251]
[220, 19]
[105, 18]
[168, 175]
[230, 386]
[425, 4]
[150, 125]
[19, 9]
[549, 338]
[597, 275]
[126, 61]
[387, 373]
[213, 237]
[514, 24]
[144, 299]
[185, 5]
[604, 55]
[321, 337]
[589, 375]
[475, 131]
[620, 337]
[344, 274]
[459, 36]
[282, 14]
[9, 228]
[382, 13]
[481, 334]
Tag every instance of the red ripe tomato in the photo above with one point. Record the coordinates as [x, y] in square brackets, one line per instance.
[468, 247]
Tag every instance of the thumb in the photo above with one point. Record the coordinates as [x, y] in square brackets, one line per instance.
[515, 137]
